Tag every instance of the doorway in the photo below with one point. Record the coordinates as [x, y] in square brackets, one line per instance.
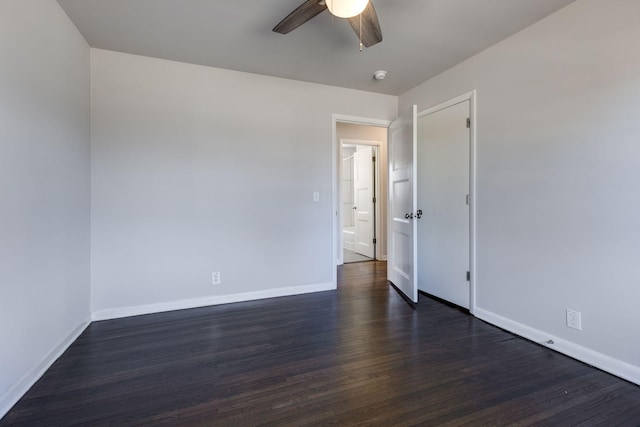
[358, 136]
[359, 188]
[419, 218]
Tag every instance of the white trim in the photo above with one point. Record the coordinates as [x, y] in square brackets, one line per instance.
[115, 313]
[335, 261]
[473, 283]
[414, 201]
[449, 103]
[16, 392]
[602, 361]
[335, 118]
[360, 120]
[471, 97]
[359, 142]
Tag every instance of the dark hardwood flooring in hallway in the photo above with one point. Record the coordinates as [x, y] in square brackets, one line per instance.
[357, 356]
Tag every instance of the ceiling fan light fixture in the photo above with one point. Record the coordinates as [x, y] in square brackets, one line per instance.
[346, 8]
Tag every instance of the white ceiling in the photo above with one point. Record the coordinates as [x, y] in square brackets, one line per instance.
[422, 38]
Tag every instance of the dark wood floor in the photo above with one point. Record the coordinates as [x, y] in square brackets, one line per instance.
[358, 356]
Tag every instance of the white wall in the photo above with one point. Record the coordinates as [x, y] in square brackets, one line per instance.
[198, 169]
[44, 183]
[558, 168]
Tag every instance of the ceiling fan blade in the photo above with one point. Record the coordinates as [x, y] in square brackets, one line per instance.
[302, 14]
[371, 32]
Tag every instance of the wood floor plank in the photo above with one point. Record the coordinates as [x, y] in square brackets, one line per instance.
[357, 356]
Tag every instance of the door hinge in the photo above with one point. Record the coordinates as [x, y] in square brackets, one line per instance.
[373, 159]
[374, 200]
[375, 241]
[468, 122]
[467, 198]
[468, 276]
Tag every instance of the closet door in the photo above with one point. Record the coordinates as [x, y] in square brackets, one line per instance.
[443, 196]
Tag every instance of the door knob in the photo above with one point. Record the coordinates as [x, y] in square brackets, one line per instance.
[354, 208]
[408, 215]
[419, 214]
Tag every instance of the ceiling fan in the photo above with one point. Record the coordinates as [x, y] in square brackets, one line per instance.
[360, 13]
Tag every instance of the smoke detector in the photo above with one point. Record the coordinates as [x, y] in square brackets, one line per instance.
[380, 75]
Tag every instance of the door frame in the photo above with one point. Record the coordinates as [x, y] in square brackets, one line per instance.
[471, 97]
[335, 161]
[377, 218]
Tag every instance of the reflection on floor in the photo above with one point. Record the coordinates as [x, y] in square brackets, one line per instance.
[351, 256]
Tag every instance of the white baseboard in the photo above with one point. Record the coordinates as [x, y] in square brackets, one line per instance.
[609, 364]
[115, 313]
[14, 394]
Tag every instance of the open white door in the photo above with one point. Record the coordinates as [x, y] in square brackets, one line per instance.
[363, 199]
[402, 238]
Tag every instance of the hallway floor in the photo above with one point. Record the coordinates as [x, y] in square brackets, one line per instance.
[350, 256]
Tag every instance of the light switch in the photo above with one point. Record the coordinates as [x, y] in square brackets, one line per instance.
[316, 196]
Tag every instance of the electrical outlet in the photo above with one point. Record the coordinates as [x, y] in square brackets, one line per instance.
[574, 319]
[215, 278]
